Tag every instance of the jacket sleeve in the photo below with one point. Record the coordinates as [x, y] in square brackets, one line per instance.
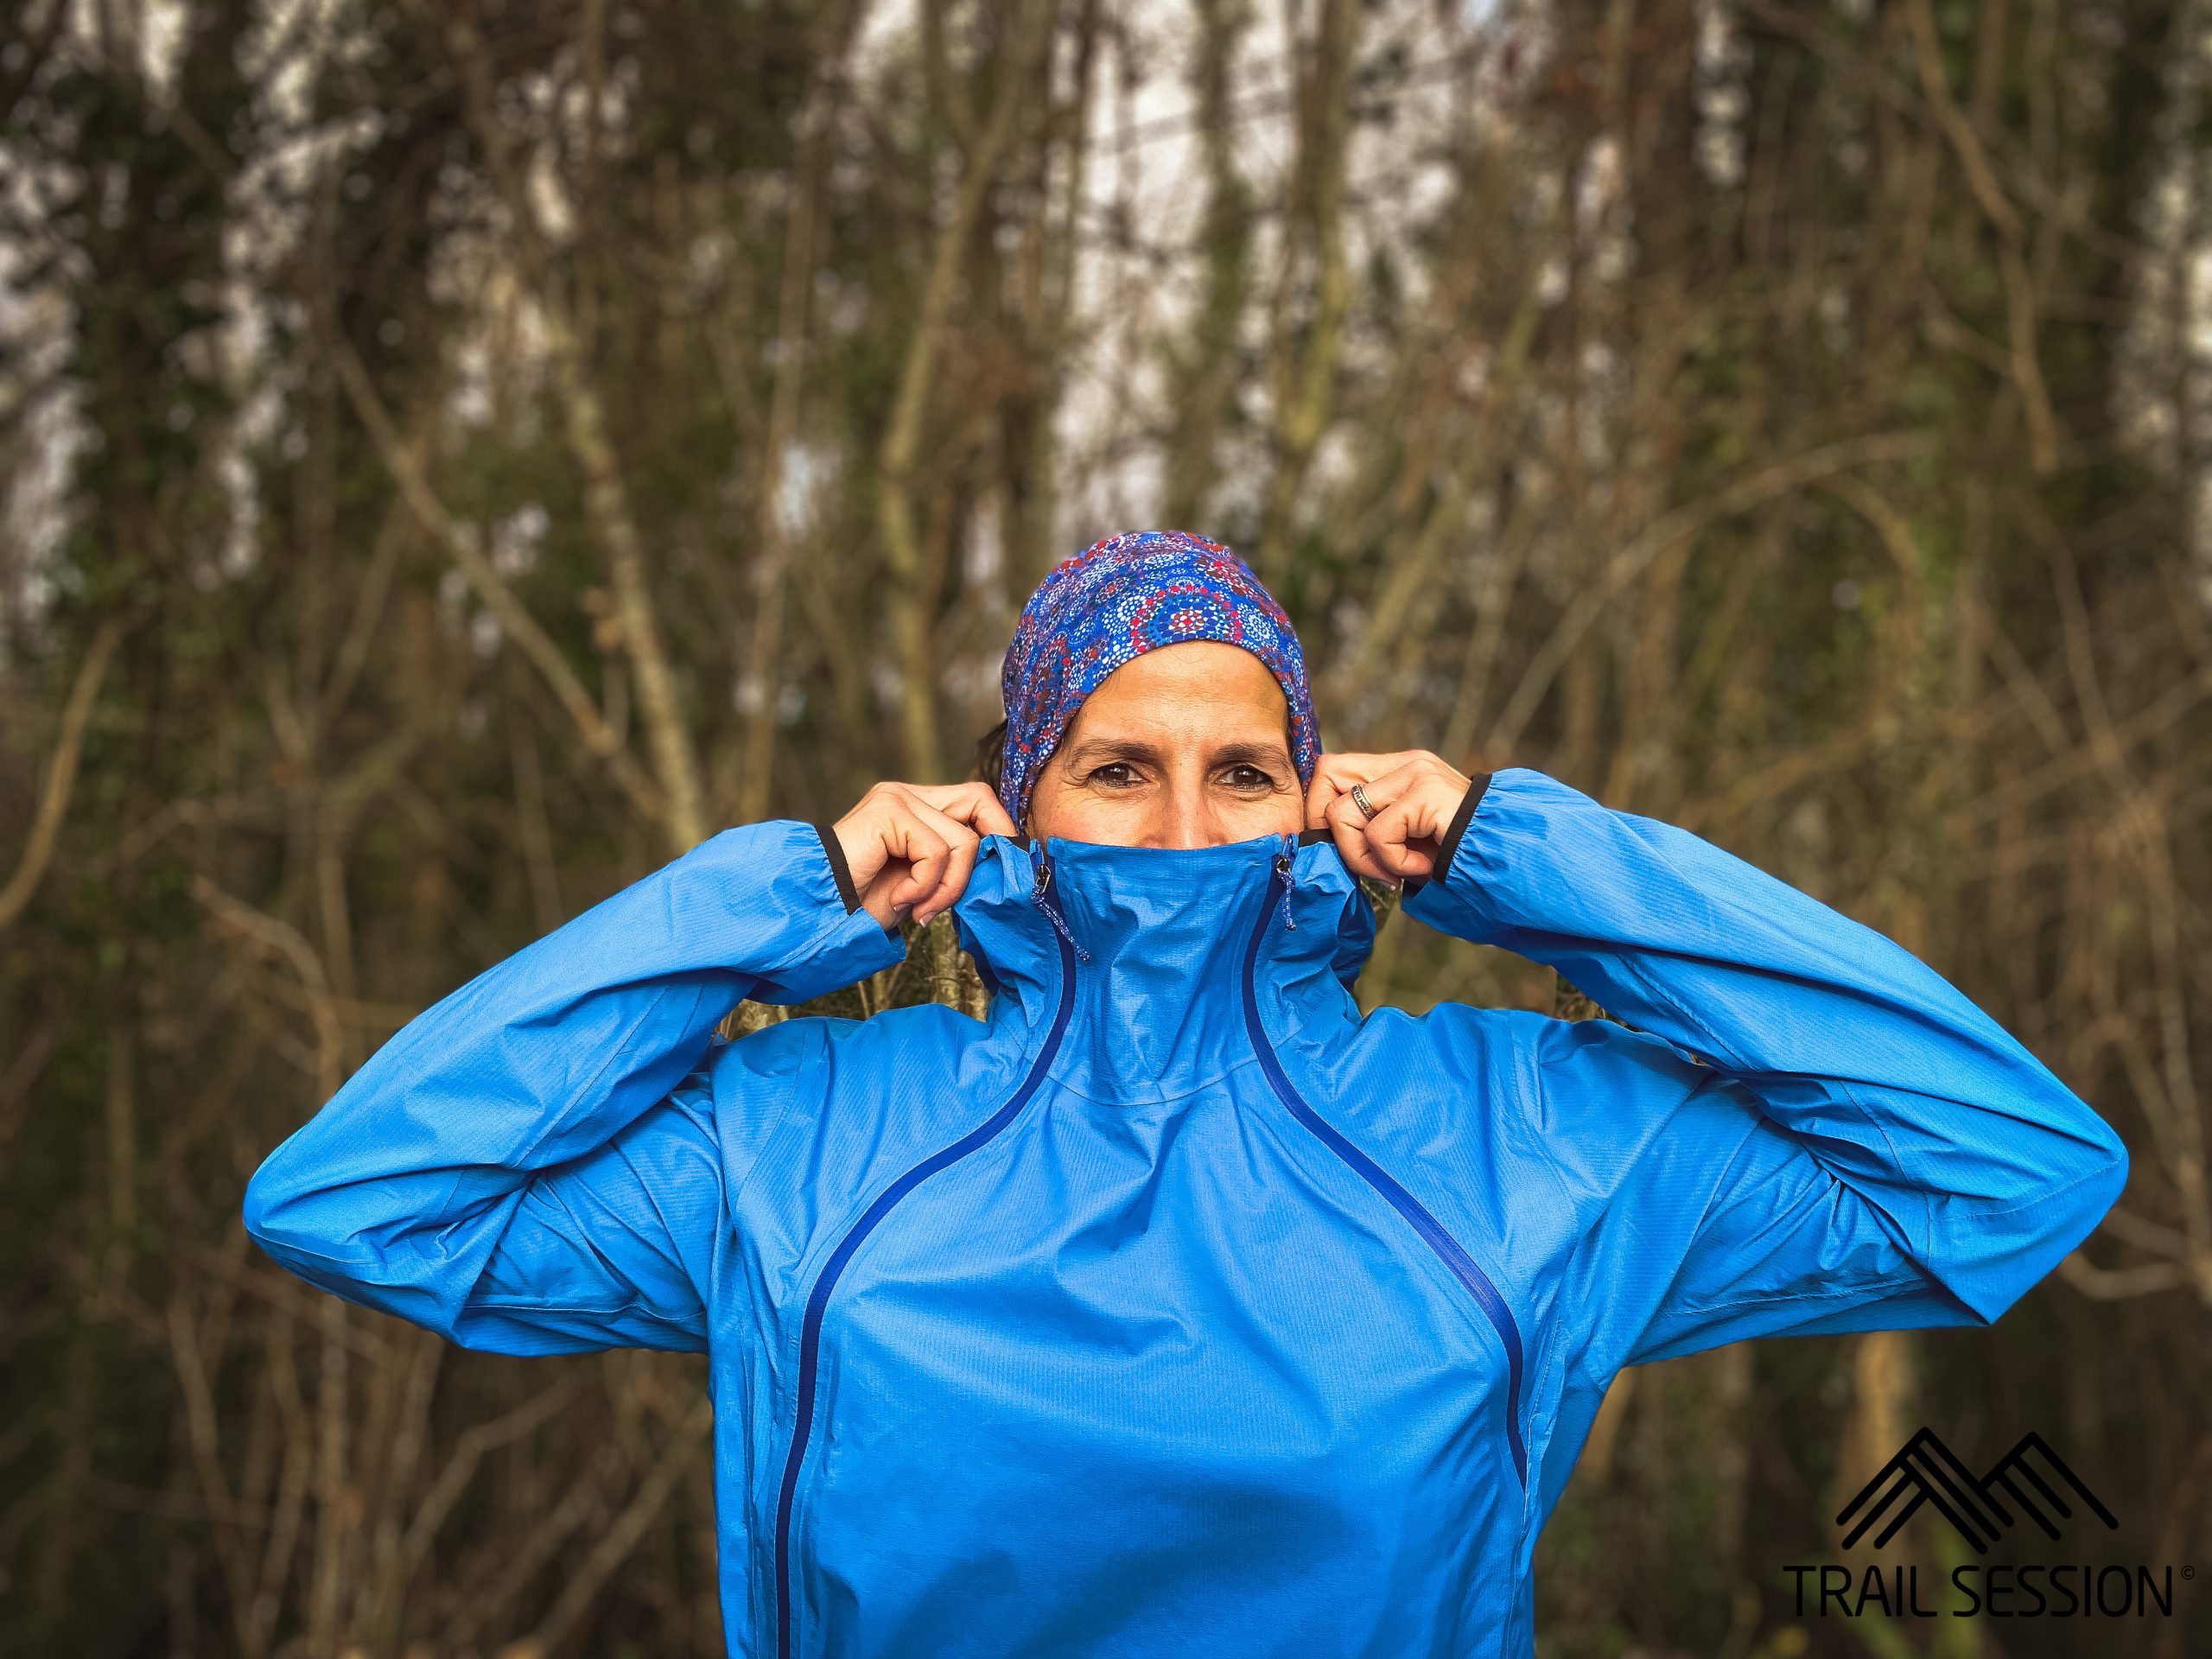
[1810, 1130]
[533, 1165]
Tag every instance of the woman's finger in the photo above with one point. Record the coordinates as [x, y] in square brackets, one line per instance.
[1390, 837]
[963, 844]
[1394, 833]
[912, 848]
[1334, 777]
[860, 834]
[925, 855]
[1335, 774]
[1320, 792]
[977, 805]
[1348, 828]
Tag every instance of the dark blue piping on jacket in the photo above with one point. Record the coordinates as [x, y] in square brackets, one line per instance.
[809, 1341]
[1432, 1234]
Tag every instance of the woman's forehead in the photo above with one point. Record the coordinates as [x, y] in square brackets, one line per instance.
[1195, 668]
[1199, 670]
[1200, 689]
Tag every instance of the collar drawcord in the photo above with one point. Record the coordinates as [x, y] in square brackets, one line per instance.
[1282, 870]
[1037, 896]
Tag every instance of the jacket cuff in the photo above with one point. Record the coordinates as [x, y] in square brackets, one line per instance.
[834, 850]
[1449, 848]
[786, 887]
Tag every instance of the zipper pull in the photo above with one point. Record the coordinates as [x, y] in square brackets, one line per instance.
[1038, 897]
[1282, 874]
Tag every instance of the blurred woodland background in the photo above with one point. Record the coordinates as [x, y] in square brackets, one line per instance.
[456, 456]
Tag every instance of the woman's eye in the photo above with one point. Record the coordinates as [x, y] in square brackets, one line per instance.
[1248, 778]
[1117, 775]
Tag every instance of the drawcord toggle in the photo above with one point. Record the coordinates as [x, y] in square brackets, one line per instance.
[1037, 896]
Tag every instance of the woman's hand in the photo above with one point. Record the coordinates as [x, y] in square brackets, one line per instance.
[911, 846]
[1414, 796]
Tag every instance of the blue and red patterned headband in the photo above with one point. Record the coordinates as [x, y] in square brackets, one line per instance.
[1117, 600]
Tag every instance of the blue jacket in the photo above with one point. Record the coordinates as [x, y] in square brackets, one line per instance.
[1175, 1308]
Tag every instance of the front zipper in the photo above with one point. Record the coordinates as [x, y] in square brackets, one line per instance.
[1447, 1248]
[809, 1341]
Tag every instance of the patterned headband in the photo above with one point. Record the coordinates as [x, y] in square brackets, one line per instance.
[1117, 600]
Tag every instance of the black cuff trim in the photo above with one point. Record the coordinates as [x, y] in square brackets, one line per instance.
[1315, 837]
[1460, 819]
[843, 872]
[1449, 848]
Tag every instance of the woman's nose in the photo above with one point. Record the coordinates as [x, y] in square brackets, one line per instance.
[1190, 820]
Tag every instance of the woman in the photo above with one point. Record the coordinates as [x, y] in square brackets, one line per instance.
[1175, 1307]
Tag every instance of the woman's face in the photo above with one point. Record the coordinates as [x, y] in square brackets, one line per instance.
[1187, 746]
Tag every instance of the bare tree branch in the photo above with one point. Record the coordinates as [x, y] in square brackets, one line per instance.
[910, 622]
[61, 771]
[470, 559]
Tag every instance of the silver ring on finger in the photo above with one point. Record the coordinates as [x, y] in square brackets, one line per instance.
[1368, 809]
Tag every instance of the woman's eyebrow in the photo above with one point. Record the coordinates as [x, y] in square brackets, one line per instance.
[1251, 754]
[1101, 751]
[1096, 751]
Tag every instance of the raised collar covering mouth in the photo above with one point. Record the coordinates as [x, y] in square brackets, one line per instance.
[1159, 939]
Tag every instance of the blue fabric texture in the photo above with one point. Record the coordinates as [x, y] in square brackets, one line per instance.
[1175, 1307]
[1113, 602]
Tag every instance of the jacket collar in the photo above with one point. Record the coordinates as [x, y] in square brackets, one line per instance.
[1161, 939]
